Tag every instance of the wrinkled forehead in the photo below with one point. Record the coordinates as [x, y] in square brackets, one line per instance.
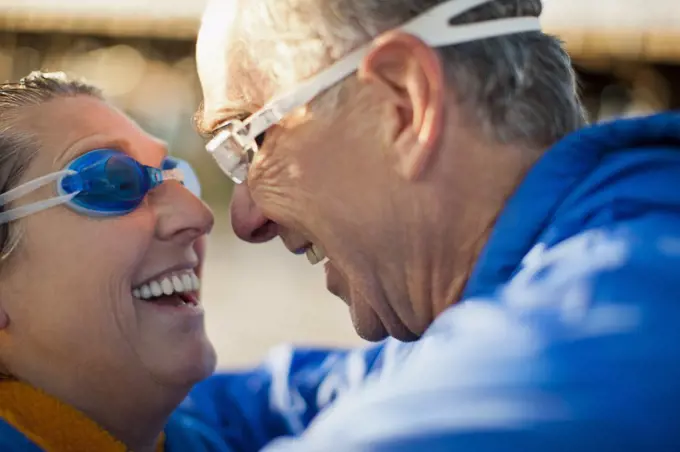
[223, 68]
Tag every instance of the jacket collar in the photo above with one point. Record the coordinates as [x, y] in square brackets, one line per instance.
[532, 209]
[51, 424]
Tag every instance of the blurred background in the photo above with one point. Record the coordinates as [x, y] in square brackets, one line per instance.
[627, 53]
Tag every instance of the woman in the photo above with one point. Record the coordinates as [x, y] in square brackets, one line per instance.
[101, 327]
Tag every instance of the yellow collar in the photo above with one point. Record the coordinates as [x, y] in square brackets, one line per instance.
[53, 425]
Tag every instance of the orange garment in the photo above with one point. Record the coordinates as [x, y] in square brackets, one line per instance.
[53, 425]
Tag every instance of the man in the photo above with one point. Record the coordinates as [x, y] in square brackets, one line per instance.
[428, 152]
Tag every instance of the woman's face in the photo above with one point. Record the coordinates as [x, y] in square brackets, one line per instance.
[67, 290]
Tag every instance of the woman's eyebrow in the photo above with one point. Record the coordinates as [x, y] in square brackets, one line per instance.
[90, 143]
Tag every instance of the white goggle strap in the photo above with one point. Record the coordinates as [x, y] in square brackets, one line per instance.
[23, 211]
[188, 177]
[433, 27]
[29, 187]
[309, 89]
[172, 174]
[459, 34]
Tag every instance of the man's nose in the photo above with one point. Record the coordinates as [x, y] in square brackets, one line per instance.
[182, 217]
[247, 220]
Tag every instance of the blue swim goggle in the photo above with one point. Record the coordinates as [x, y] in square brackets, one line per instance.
[103, 182]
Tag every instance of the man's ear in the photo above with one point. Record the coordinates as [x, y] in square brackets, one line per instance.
[410, 74]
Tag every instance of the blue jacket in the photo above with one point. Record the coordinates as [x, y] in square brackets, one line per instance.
[568, 337]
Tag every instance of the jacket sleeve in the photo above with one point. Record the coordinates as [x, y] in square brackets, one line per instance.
[248, 409]
[579, 352]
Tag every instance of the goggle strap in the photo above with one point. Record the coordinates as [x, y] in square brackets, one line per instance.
[433, 27]
[173, 174]
[309, 89]
[158, 176]
[20, 212]
[459, 34]
[438, 19]
[29, 187]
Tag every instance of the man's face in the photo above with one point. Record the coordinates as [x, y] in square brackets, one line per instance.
[323, 181]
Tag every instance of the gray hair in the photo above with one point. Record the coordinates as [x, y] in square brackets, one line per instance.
[520, 89]
[17, 145]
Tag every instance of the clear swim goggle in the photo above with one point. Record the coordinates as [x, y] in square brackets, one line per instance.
[236, 141]
[103, 182]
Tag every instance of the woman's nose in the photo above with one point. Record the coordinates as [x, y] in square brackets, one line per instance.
[247, 220]
[182, 217]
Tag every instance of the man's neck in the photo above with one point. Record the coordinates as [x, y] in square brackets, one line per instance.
[471, 190]
[437, 278]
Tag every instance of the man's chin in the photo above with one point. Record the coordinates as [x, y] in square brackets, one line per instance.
[366, 322]
[376, 331]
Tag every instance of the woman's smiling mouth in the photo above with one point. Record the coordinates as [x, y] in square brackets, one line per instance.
[171, 289]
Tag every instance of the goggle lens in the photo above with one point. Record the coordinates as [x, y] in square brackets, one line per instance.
[124, 180]
[103, 182]
[108, 182]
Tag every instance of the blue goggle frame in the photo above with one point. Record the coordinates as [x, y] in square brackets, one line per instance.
[102, 182]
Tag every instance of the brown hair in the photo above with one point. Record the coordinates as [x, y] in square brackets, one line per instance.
[17, 145]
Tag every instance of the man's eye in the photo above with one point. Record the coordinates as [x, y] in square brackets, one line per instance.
[260, 139]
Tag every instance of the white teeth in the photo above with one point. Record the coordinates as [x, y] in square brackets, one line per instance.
[177, 284]
[156, 289]
[168, 285]
[186, 281]
[315, 254]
